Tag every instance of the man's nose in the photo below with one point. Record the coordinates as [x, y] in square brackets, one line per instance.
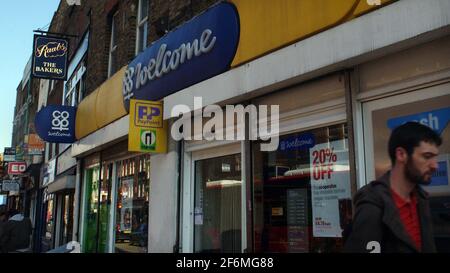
[434, 165]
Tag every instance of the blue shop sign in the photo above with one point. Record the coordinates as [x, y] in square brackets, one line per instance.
[436, 119]
[56, 123]
[200, 49]
[50, 57]
[300, 142]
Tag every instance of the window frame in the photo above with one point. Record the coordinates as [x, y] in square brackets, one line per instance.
[142, 22]
[76, 89]
[191, 156]
[366, 159]
[112, 44]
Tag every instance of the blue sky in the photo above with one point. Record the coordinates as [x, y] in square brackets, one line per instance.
[18, 20]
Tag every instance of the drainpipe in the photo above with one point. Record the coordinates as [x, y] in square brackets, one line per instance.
[177, 247]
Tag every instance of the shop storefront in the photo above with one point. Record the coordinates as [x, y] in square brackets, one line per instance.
[337, 105]
[426, 101]
[115, 202]
[333, 140]
[296, 198]
[57, 206]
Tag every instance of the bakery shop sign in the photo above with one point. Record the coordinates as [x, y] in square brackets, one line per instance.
[50, 57]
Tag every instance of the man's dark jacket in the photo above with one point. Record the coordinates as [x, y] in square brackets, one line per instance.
[378, 219]
[15, 234]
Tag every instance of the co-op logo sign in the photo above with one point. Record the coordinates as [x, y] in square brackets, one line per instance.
[198, 50]
[56, 123]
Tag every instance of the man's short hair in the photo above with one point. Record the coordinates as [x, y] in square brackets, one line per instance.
[409, 135]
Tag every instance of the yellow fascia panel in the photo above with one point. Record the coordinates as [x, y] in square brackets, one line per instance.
[109, 105]
[85, 120]
[267, 25]
[101, 107]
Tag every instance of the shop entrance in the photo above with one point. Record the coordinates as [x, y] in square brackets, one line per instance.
[97, 203]
[218, 200]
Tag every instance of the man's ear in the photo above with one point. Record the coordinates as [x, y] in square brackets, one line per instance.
[401, 155]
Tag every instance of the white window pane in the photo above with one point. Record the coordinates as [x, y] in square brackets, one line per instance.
[112, 63]
[217, 213]
[140, 37]
[144, 9]
[113, 46]
[114, 30]
[144, 40]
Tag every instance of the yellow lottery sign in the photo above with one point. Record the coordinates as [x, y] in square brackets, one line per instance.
[148, 130]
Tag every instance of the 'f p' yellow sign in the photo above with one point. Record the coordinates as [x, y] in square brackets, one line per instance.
[148, 131]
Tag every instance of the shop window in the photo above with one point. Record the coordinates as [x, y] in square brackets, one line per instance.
[217, 211]
[133, 184]
[91, 209]
[74, 87]
[3, 199]
[302, 192]
[434, 112]
[104, 206]
[67, 218]
[142, 26]
[48, 236]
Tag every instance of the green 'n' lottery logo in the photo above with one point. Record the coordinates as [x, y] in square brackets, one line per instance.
[148, 140]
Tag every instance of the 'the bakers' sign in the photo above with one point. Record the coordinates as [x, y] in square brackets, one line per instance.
[50, 57]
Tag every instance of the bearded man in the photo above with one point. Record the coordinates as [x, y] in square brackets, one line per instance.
[392, 213]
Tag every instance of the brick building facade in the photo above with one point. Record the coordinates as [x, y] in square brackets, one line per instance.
[90, 24]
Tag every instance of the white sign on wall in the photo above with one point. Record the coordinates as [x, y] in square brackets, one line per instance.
[49, 173]
[11, 185]
[330, 187]
[126, 213]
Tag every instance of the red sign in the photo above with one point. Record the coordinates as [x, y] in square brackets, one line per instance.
[17, 167]
[324, 160]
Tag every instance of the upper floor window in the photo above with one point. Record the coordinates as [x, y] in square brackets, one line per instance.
[112, 64]
[142, 26]
[75, 86]
[51, 86]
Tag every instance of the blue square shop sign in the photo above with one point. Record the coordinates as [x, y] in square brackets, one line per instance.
[56, 123]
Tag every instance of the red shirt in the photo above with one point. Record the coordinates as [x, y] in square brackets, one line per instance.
[409, 217]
